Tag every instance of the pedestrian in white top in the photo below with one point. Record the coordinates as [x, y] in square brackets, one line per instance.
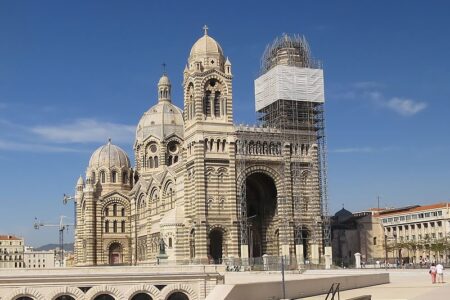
[440, 273]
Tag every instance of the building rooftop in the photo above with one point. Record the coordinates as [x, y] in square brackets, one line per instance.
[9, 237]
[413, 208]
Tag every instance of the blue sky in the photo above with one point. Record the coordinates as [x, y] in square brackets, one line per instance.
[74, 73]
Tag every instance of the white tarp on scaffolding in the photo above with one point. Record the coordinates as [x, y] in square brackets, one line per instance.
[289, 83]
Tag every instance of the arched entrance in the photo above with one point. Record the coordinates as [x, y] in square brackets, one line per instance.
[302, 238]
[115, 254]
[104, 297]
[178, 296]
[142, 296]
[65, 297]
[215, 245]
[261, 196]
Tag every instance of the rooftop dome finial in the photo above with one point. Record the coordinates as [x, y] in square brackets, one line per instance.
[109, 140]
[164, 68]
[205, 28]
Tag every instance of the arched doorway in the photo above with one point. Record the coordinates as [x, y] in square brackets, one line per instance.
[142, 296]
[178, 296]
[302, 238]
[65, 297]
[261, 196]
[115, 254]
[215, 245]
[104, 297]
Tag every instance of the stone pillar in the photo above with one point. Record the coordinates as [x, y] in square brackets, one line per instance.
[299, 254]
[358, 260]
[315, 257]
[285, 251]
[328, 257]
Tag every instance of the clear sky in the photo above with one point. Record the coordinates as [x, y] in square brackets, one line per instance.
[73, 73]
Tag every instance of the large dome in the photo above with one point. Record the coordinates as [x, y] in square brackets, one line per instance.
[109, 156]
[160, 121]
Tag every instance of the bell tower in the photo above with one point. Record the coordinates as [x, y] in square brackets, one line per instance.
[209, 143]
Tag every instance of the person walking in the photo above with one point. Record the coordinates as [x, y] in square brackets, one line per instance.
[433, 272]
[440, 273]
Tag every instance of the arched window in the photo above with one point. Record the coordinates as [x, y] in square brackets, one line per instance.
[170, 242]
[122, 212]
[114, 210]
[207, 104]
[114, 176]
[217, 104]
[106, 226]
[93, 176]
[107, 211]
[124, 178]
[150, 162]
[115, 226]
[123, 226]
[156, 161]
[102, 177]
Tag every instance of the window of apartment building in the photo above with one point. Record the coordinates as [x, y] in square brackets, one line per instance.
[402, 218]
[439, 213]
[413, 237]
[407, 237]
[389, 219]
[434, 213]
[408, 217]
[433, 235]
[395, 219]
[440, 235]
[427, 215]
[439, 224]
[420, 216]
[384, 220]
[414, 217]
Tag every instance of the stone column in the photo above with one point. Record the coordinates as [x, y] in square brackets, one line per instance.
[328, 257]
[358, 260]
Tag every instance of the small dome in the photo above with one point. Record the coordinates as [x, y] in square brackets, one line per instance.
[160, 121]
[164, 80]
[108, 156]
[343, 215]
[206, 45]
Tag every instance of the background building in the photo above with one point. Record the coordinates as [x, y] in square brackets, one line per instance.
[34, 259]
[418, 233]
[204, 189]
[11, 252]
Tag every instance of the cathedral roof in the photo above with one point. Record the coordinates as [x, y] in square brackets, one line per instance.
[108, 156]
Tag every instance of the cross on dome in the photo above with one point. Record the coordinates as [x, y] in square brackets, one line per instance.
[205, 28]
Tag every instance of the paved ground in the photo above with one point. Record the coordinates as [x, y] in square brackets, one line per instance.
[405, 284]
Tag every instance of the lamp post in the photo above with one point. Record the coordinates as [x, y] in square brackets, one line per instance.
[385, 250]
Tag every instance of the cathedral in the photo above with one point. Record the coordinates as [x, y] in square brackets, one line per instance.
[202, 189]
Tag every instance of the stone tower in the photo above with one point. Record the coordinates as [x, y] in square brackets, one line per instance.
[210, 193]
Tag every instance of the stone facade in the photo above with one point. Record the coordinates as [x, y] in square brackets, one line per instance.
[182, 196]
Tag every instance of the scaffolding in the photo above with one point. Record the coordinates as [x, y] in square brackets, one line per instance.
[290, 112]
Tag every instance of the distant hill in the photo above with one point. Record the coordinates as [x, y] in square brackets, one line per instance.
[67, 247]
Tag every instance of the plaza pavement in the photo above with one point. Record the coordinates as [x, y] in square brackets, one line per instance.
[405, 284]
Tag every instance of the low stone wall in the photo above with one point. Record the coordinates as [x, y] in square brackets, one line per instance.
[121, 283]
[295, 289]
